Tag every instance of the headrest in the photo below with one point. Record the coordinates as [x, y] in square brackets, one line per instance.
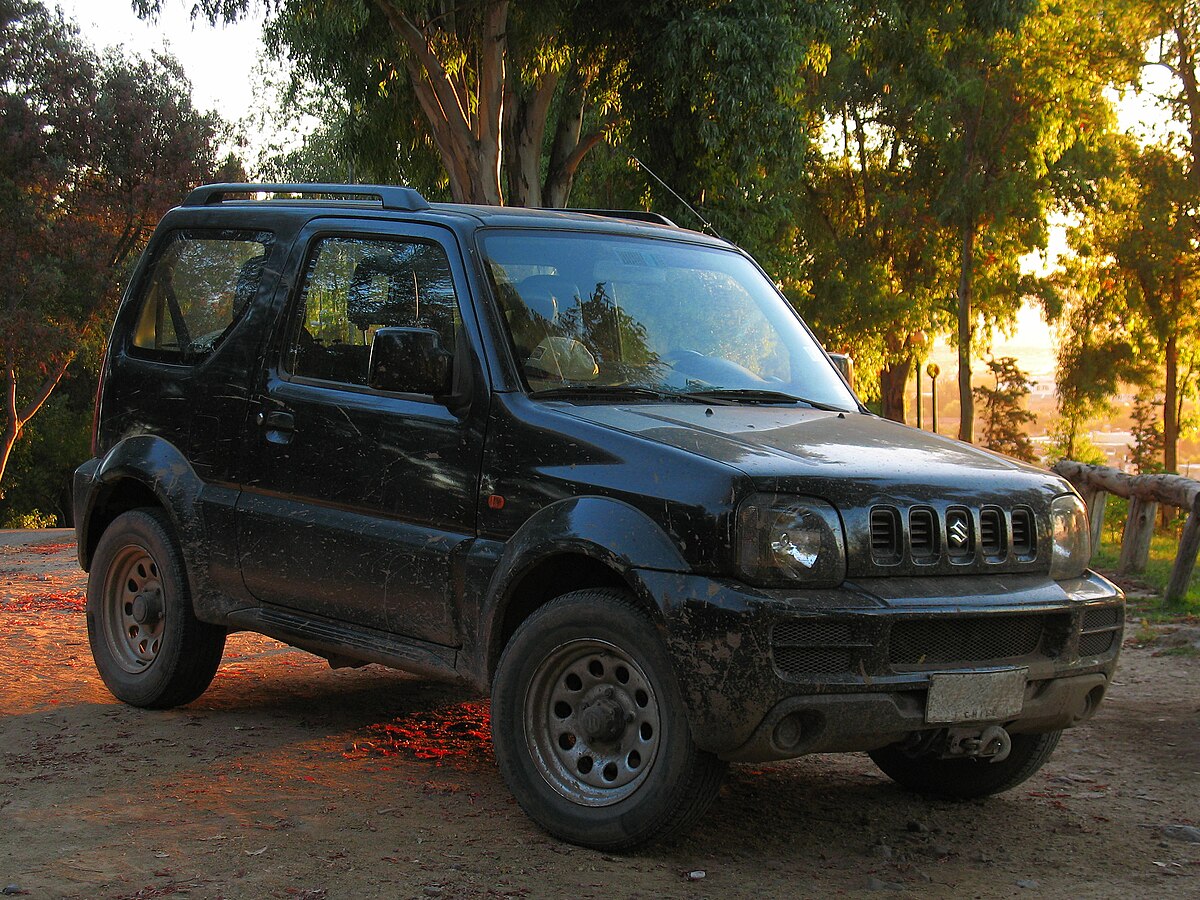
[547, 295]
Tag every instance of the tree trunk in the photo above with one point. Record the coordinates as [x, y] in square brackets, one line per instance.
[1170, 407]
[1191, 93]
[466, 129]
[524, 129]
[893, 385]
[570, 144]
[17, 418]
[966, 400]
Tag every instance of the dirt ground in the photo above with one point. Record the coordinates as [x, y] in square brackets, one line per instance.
[291, 780]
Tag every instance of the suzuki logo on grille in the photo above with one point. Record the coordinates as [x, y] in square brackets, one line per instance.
[958, 531]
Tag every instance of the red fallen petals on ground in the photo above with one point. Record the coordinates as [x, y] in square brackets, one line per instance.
[69, 602]
[458, 730]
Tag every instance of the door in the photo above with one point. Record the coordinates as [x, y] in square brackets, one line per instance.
[356, 498]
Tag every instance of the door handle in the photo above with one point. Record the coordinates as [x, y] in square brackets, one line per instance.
[277, 420]
[278, 426]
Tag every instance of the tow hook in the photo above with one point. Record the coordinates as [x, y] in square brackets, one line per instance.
[992, 743]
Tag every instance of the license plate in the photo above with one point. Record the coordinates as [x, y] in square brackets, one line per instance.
[975, 696]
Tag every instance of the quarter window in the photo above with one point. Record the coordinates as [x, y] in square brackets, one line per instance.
[198, 288]
[352, 288]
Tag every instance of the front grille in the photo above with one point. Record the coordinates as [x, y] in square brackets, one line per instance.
[1024, 541]
[812, 660]
[965, 640]
[960, 536]
[1104, 617]
[923, 534]
[1096, 644]
[991, 533]
[814, 647]
[1100, 629]
[885, 535]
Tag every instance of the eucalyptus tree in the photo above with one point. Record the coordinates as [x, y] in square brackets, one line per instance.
[513, 96]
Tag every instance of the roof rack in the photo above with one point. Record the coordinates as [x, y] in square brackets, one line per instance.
[389, 196]
[636, 215]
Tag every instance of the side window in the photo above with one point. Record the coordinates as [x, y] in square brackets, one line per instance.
[197, 289]
[353, 287]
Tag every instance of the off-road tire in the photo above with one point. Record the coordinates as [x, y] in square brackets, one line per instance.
[645, 779]
[169, 657]
[967, 779]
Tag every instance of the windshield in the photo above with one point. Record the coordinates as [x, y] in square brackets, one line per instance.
[596, 313]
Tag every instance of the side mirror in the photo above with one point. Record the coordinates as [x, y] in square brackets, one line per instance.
[845, 365]
[409, 361]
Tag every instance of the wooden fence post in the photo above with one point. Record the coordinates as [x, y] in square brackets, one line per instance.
[1185, 558]
[1095, 500]
[1135, 542]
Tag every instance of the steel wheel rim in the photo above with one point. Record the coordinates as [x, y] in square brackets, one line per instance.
[592, 722]
[133, 611]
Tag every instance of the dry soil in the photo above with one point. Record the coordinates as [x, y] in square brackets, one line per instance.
[291, 780]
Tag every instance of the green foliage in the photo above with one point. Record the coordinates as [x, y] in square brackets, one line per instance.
[1005, 420]
[35, 518]
[37, 480]
[96, 148]
[1163, 548]
[1066, 442]
[1146, 453]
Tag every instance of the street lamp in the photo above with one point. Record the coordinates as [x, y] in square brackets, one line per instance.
[932, 371]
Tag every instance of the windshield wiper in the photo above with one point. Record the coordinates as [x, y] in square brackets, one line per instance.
[613, 391]
[756, 395]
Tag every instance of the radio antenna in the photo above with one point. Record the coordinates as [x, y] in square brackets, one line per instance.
[707, 224]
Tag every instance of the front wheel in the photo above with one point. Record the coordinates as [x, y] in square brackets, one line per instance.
[589, 727]
[148, 645]
[967, 779]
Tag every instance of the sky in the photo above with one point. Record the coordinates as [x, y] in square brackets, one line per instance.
[218, 60]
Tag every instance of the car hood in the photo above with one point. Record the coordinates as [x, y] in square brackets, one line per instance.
[793, 448]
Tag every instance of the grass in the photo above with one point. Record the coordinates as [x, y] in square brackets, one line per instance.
[1154, 579]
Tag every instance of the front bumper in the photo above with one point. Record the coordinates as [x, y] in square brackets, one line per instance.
[772, 674]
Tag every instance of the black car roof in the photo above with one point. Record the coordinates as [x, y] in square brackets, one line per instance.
[391, 201]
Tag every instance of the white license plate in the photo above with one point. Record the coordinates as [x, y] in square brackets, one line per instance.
[975, 696]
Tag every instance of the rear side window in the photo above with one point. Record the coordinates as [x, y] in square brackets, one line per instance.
[199, 286]
[355, 286]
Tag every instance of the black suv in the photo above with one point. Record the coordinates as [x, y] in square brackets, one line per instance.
[590, 462]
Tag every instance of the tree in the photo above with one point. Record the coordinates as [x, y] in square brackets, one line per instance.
[489, 83]
[1147, 451]
[94, 150]
[1000, 95]
[1138, 255]
[1005, 420]
[512, 97]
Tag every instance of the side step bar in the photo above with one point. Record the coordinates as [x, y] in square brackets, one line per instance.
[331, 639]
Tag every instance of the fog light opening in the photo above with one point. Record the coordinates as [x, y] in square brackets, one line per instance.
[789, 732]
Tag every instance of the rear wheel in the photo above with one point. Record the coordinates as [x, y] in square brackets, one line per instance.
[589, 726]
[965, 779]
[149, 647]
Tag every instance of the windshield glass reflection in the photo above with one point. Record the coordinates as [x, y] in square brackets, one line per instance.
[597, 314]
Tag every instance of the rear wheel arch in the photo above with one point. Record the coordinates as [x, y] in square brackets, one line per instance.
[113, 499]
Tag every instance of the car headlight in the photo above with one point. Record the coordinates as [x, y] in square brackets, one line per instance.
[1072, 538]
[783, 540]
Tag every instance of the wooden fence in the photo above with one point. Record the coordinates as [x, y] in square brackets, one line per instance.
[1144, 493]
